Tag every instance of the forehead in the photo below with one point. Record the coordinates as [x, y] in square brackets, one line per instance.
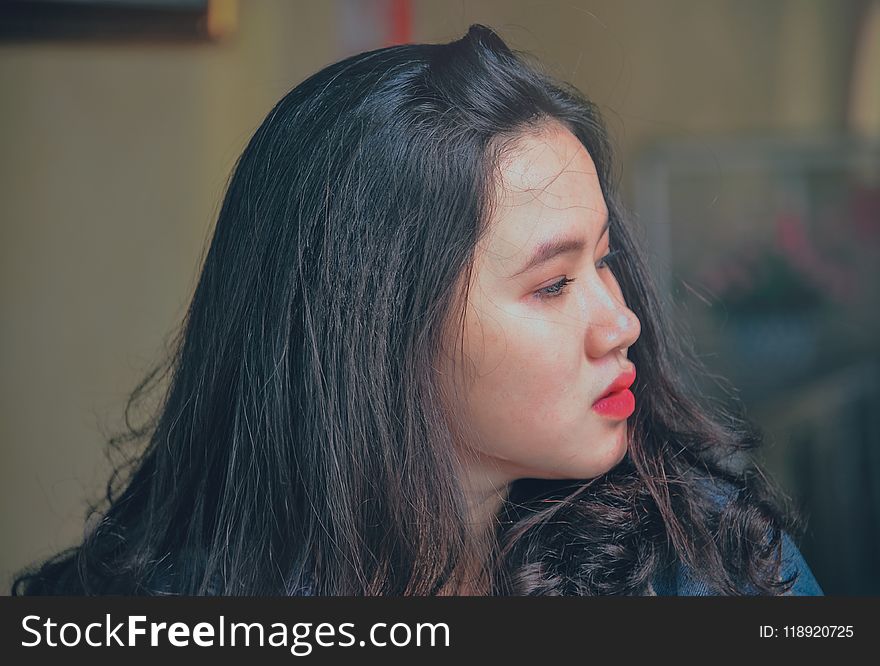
[547, 186]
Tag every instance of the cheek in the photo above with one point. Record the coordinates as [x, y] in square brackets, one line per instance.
[525, 377]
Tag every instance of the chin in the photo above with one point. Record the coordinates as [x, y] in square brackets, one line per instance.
[616, 452]
[623, 451]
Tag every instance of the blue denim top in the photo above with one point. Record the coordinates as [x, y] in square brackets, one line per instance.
[683, 583]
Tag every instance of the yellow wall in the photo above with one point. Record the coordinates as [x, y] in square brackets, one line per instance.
[114, 159]
[682, 67]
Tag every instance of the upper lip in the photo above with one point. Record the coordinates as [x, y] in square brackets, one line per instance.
[624, 380]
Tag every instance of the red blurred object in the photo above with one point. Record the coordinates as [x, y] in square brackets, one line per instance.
[401, 22]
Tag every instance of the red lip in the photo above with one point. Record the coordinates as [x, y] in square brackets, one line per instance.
[623, 381]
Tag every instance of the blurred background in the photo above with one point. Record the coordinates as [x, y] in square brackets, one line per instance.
[748, 134]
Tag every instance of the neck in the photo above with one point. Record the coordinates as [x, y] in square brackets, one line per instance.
[486, 488]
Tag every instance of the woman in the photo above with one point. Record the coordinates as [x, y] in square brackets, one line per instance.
[425, 357]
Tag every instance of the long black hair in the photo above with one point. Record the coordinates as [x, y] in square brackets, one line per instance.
[300, 439]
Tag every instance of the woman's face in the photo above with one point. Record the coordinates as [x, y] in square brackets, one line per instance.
[536, 362]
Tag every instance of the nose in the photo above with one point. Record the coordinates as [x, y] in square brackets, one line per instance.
[612, 327]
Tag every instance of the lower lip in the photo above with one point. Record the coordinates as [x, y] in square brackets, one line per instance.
[619, 405]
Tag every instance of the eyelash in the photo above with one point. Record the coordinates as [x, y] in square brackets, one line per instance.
[557, 289]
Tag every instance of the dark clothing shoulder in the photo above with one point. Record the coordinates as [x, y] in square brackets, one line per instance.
[680, 581]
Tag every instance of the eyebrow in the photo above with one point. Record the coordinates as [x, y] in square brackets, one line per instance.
[553, 248]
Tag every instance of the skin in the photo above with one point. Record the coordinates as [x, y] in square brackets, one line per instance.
[533, 367]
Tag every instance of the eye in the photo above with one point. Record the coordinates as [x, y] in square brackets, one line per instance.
[554, 290]
[558, 288]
